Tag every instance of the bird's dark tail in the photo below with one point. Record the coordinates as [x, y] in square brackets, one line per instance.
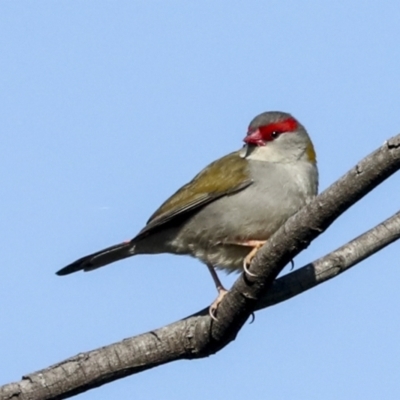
[99, 259]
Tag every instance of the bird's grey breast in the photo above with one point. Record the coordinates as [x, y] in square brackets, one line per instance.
[256, 212]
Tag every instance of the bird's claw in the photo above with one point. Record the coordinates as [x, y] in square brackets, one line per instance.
[253, 317]
[246, 265]
[257, 244]
[213, 308]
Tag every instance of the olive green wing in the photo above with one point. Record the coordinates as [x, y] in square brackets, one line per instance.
[225, 176]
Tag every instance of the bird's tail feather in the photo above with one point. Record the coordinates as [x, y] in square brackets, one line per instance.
[100, 258]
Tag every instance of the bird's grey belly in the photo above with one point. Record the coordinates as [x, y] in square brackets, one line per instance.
[254, 213]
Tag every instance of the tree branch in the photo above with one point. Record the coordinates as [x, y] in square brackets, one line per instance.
[333, 264]
[197, 336]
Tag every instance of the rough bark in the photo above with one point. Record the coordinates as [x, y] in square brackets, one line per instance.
[198, 336]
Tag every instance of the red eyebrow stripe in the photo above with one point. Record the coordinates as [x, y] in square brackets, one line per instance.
[287, 125]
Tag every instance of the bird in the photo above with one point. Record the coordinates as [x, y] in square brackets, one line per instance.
[232, 207]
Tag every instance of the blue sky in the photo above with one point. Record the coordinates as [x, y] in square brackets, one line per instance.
[107, 108]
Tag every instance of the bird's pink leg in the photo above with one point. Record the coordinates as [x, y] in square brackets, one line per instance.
[256, 245]
[221, 292]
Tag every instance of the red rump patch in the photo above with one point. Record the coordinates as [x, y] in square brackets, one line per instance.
[287, 125]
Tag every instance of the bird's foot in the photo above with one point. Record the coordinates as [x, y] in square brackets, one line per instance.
[256, 245]
[213, 308]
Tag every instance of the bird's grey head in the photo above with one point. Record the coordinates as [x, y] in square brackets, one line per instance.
[277, 136]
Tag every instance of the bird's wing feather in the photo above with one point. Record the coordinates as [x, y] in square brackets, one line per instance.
[223, 177]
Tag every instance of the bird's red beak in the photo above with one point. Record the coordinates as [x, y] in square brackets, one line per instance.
[254, 138]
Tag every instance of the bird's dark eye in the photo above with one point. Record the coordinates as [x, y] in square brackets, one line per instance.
[275, 134]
